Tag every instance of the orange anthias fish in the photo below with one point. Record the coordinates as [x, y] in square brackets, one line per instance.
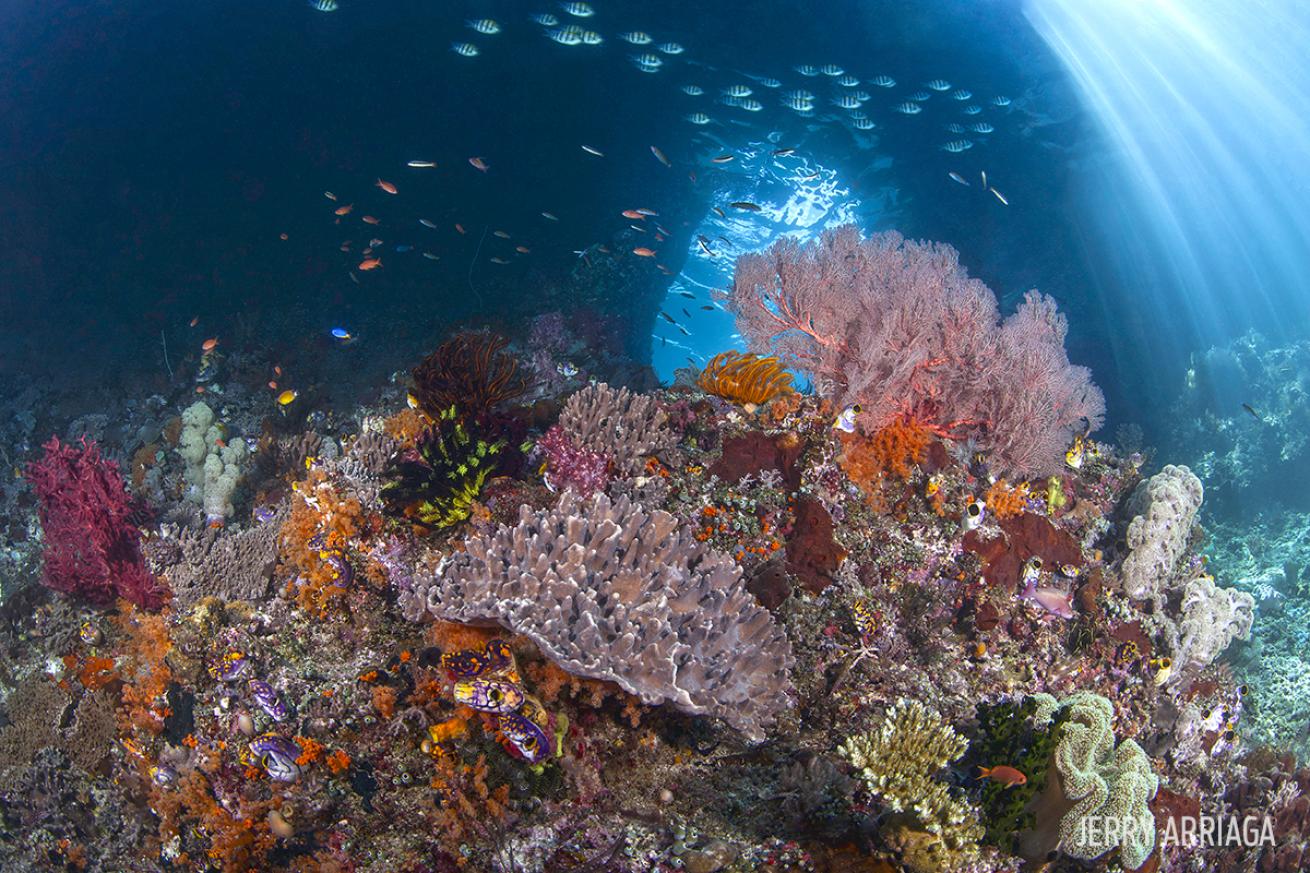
[642, 251]
[479, 163]
[209, 345]
[343, 210]
[370, 263]
[1007, 776]
[460, 228]
[370, 219]
[386, 186]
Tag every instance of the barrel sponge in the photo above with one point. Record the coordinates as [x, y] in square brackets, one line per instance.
[1163, 509]
[611, 590]
[1108, 786]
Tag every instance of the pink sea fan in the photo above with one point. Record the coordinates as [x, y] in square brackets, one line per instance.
[92, 548]
[898, 327]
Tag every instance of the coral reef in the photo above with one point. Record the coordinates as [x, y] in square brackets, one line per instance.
[616, 592]
[652, 621]
[899, 328]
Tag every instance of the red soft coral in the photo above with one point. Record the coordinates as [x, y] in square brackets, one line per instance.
[899, 327]
[92, 548]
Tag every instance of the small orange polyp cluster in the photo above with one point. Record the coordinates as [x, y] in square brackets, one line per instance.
[892, 452]
[745, 378]
[1004, 501]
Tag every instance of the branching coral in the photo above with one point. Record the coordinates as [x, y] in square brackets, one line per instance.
[92, 548]
[934, 827]
[745, 378]
[470, 372]
[623, 426]
[437, 484]
[899, 328]
[1098, 782]
[614, 591]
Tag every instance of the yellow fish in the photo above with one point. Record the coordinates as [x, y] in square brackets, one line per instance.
[287, 397]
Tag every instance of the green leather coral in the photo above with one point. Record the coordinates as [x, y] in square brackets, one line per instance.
[933, 828]
[1109, 786]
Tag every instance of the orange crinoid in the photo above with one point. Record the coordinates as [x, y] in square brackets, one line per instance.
[745, 378]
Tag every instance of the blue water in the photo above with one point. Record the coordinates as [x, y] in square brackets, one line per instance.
[154, 155]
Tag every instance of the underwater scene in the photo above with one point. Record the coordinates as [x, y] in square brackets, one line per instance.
[491, 436]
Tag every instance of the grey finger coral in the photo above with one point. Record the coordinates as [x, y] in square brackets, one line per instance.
[613, 591]
[623, 426]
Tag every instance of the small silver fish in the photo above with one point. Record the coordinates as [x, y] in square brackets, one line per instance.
[488, 26]
[958, 178]
[581, 10]
[465, 49]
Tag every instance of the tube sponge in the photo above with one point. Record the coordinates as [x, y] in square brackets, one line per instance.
[1163, 509]
[1108, 786]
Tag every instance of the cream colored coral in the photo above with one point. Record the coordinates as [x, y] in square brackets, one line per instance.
[898, 762]
[1109, 785]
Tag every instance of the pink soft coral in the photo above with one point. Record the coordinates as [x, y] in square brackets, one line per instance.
[899, 327]
[92, 548]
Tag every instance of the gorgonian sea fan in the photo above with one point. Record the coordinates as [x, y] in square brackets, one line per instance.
[898, 327]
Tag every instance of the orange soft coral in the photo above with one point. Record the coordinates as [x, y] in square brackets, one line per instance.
[145, 673]
[321, 523]
[745, 378]
[892, 452]
[405, 426]
[1005, 501]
